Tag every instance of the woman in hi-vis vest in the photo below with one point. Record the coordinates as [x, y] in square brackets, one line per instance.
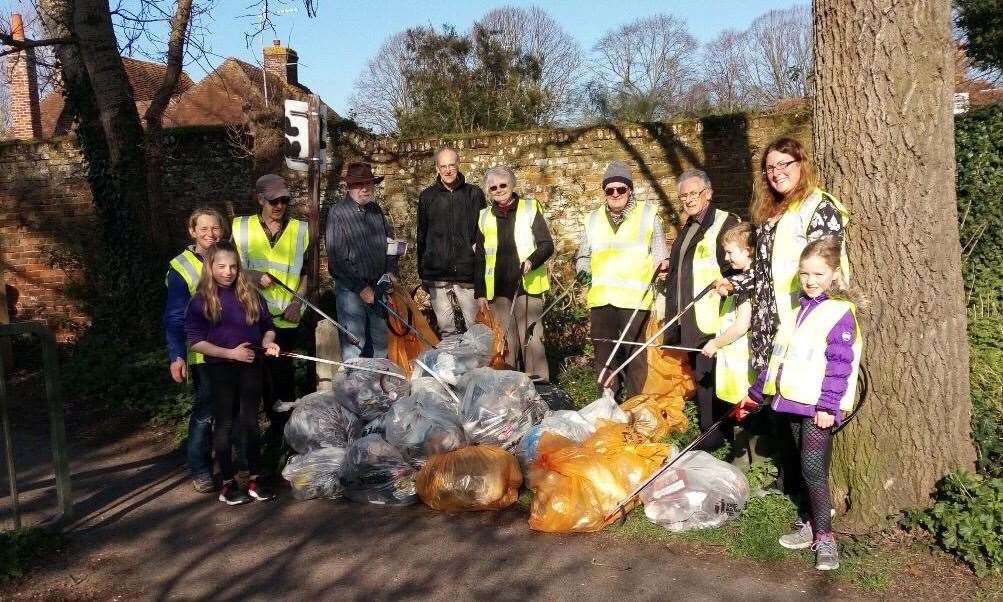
[789, 209]
[513, 243]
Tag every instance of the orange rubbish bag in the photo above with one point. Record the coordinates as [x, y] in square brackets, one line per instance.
[482, 477]
[656, 416]
[487, 318]
[404, 345]
[576, 486]
[669, 371]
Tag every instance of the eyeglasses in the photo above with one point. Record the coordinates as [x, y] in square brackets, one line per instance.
[616, 191]
[692, 195]
[495, 187]
[779, 167]
[283, 200]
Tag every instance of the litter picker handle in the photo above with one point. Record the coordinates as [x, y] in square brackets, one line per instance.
[351, 337]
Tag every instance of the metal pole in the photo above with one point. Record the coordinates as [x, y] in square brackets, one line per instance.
[314, 208]
[8, 447]
[57, 425]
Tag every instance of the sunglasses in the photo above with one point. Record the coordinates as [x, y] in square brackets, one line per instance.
[501, 186]
[616, 191]
[283, 200]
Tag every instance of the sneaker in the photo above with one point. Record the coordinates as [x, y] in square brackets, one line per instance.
[258, 491]
[800, 539]
[233, 495]
[203, 483]
[826, 554]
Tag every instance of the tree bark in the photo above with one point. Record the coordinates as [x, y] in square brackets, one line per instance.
[884, 137]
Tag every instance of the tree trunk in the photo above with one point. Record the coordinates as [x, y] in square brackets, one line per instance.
[884, 137]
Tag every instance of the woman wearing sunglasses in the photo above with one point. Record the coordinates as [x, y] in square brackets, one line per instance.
[513, 243]
[621, 247]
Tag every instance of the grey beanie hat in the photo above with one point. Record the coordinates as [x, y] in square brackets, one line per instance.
[617, 171]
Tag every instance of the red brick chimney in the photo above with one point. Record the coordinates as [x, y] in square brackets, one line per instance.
[282, 62]
[26, 119]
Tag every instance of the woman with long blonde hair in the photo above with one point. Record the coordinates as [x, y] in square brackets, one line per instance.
[227, 321]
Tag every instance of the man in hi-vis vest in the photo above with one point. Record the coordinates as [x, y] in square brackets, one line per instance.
[274, 246]
[621, 246]
[697, 259]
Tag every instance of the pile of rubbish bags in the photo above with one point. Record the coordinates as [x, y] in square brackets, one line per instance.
[459, 435]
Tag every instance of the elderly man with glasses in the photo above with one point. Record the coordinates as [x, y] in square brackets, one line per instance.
[621, 247]
[275, 247]
[698, 259]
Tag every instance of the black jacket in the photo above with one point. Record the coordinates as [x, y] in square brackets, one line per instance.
[447, 231]
[685, 332]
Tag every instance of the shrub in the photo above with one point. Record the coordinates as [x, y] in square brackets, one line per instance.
[967, 520]
[985, 333]
[18, 549]
[979, 156]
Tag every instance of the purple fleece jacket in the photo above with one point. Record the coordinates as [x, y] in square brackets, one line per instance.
[838, 366]
[232, 329]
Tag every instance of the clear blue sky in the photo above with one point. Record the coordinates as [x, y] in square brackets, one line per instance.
[335, 46]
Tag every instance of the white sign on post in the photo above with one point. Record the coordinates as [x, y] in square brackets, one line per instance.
[297, 132]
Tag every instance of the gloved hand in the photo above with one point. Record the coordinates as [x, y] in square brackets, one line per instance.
[584, 278]
[743, 408]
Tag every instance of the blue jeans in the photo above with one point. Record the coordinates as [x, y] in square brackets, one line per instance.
[363, 321]
[200, 424]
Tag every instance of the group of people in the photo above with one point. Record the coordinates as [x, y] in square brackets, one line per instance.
[762, 308]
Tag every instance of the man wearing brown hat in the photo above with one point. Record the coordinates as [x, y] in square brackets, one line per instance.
[275, 247]
[360, 251]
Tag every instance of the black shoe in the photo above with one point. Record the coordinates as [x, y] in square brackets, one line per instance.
[259, 492]
[233, 495]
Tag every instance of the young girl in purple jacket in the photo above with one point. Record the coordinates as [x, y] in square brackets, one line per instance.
[812, 377]
[227, 319]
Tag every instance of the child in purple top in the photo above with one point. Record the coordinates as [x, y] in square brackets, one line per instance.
[812, 425]
[227, 321]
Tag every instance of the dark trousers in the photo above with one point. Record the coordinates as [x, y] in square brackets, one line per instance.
[200, 423]
[710, 409]
[236, 392]
[280, 381]
[606, 323]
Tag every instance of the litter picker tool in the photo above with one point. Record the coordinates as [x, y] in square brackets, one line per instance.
[622, 506]
[407, 324]
[342, 364]
[623, 334]
[676, 347]
[655, 336]
[546, 310]
[351, 337]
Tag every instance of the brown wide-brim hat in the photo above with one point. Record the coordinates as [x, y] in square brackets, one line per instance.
[361, 173]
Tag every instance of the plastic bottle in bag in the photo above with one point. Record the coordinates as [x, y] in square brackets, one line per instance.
[375, 472]
[424, 424]
[698, 492]
[318, 421]
[366, 394]
[316, 474]
[499, 406]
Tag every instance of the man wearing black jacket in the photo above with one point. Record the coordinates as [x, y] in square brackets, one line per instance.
[447, 232]
[696, 260]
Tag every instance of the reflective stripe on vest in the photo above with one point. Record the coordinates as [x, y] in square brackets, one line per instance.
[536, 281]
[189, 267]
[622, 263]
[799, 356]
[705, 271]
[284, 260]
[790, 239]
[732, 374]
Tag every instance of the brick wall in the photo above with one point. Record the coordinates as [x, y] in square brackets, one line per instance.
[47, 221]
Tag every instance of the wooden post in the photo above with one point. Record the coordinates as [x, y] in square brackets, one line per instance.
[6, 353]
[314, 176]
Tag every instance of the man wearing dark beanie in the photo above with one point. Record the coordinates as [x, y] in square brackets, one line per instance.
[621, 247]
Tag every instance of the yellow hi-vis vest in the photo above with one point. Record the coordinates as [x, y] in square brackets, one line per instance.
[536, 281]
[791, 238]
[732, 376]
[621, 261]
[189, 267]
[705, 271]
[799, 356]
[284, 260]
